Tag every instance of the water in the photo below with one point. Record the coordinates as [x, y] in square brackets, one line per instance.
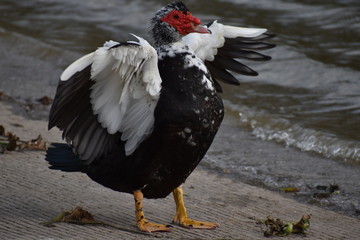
[307, 99]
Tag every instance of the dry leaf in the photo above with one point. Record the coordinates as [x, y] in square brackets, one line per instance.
[35, 144]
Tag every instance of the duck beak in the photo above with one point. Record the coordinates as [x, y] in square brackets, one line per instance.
[200, 29]
[196, 28]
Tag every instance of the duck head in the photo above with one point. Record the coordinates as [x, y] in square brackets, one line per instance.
[172, 22]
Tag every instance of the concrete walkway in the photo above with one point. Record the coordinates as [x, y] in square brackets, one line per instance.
[30, 193]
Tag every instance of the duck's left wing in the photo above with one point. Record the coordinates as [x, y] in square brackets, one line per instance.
[221, 50]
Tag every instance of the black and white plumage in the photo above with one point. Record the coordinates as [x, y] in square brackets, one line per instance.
[140, 118]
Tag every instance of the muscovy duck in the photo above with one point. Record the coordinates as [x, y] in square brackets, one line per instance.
[138, 119]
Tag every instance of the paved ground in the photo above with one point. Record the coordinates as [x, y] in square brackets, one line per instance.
[30, 193]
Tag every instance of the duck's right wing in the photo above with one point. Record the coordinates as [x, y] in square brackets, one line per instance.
[107, 98]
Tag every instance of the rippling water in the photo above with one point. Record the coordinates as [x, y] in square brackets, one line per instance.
[307, 97]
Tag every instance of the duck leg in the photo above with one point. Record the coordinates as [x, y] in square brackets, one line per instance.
[181, 216]
[141, 222]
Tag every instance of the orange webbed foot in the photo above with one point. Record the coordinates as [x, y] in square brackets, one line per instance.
[189, 223]
[141, 222]
[181, 216]
[146, 226]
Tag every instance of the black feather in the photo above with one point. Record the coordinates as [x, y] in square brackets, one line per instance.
[233, 65]
[240, 43]
[250, 55]
[72, 113]
[237, 48]
[218, 87]
[66, 103]
[221, 74]
[61, 157]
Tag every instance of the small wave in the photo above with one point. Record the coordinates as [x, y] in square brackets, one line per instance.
[310, 140]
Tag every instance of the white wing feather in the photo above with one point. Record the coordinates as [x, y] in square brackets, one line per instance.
[126, 90]
[205, 45]
[77, 66]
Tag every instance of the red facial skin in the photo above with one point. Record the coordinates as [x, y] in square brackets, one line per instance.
[184, 23]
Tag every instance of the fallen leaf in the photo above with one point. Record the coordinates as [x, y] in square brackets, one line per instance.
[82, 217]
[11, 142]
[78, 214]
[35, 144]
[276, 227]
[302, 225]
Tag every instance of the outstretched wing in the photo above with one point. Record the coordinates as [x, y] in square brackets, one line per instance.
[107, 98]
[225, 44]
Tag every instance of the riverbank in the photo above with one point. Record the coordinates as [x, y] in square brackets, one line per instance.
[30, 193]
